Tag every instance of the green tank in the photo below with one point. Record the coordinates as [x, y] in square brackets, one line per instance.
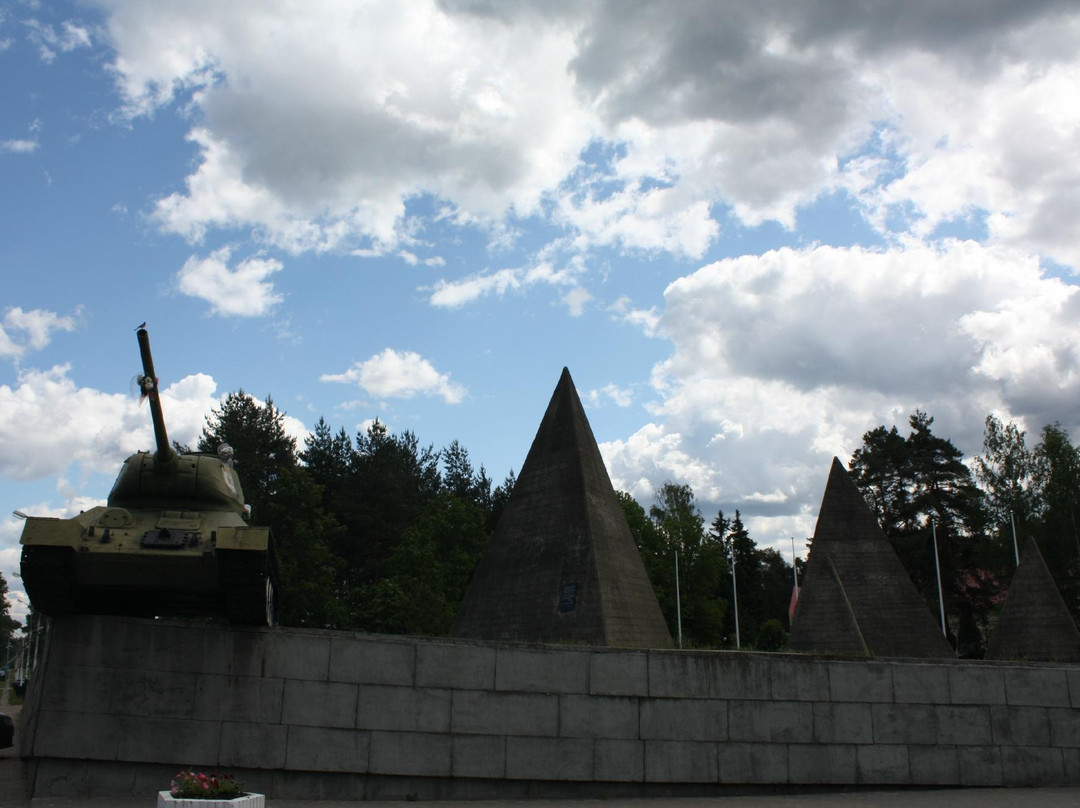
[173, 540]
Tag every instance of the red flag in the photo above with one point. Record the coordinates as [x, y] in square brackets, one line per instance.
[793, 604]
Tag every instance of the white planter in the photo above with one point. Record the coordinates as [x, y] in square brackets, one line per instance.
[164, 798]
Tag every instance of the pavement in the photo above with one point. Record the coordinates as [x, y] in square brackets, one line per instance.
[906, 798]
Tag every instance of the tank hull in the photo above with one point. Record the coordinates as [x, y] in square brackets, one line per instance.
[111, 560]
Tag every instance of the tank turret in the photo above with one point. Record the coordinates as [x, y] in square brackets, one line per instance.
[172, 540]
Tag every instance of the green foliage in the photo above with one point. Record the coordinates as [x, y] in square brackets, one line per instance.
[658, 558]
[429, 571]
[379, 533]
[369, 534]
[911, 482]
[1005, 471]
[771, 636]
[674, 525]
[8, 624]
[680, 529]
[1057, 482]
[263, 449]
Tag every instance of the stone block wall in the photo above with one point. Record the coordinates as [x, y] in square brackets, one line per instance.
[121, 704]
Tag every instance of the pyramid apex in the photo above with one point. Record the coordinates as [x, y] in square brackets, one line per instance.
[562, 565]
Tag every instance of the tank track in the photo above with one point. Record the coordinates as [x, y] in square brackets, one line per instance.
[49, 579]
[247, 587]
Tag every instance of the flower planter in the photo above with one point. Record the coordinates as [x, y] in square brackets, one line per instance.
[167, 800]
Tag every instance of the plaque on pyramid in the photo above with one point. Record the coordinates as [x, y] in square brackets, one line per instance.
[856, 596]
[1034, 622]
[562, 565]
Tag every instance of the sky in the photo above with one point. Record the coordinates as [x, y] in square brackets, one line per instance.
[752, 232]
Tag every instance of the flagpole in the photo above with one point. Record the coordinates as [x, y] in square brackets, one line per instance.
[1016, 547]
[678, 607]
[937, 566]
[794, 569]
[735, 593]
[795, 591]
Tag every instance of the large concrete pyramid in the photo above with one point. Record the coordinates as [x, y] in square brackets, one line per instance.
[562, 566]
[856, 597]
[1034, 623]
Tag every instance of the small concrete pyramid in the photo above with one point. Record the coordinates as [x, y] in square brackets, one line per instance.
[1034, 623]
[856, 596]
[562, 565]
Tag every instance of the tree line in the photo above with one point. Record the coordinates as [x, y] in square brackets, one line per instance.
[376, 532]
[982, 513]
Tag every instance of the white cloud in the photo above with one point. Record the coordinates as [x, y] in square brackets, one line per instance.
[618, 396]
[49, 40]
[48, 423]
[783, 360]
[454, 294]
[400, 374]
[1004, 151]
[466, 109]
[645, 319]
[723, 108]
[22, 331]
[242, 291]
[575, 300]
[19, 146]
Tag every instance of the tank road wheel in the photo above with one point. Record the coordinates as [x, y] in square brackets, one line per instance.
[49, 579]
[271, 602]
[246, 586]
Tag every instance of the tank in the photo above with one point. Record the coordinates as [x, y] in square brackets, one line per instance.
[172, 540]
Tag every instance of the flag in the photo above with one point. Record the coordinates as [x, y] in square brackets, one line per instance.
[793, 604]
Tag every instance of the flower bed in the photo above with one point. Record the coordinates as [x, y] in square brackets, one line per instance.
[191, 789]
[245, 801]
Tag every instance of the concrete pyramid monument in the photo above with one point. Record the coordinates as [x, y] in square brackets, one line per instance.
[1034, 623]
[856, 596]
[562, 565]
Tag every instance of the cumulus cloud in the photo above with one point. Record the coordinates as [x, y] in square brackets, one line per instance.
[399, 374]
[240, 291]
[464, 108]
[48, 423]
[22, 331]
[783, 360]
[722, 109]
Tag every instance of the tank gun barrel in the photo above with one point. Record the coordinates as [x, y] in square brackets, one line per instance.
[149, 385]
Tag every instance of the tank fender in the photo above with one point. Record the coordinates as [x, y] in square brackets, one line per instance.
[47, 531]
[243, 538]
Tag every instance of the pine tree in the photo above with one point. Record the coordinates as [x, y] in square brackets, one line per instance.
[256, 432]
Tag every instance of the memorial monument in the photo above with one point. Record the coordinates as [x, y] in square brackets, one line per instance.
[856, 597]
[1034, 623]
[562, 565]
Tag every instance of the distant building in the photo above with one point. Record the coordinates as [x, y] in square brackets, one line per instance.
[562, 565]
[1034, 622]
[856, 596]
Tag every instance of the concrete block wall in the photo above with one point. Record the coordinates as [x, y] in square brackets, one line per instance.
[120, 702]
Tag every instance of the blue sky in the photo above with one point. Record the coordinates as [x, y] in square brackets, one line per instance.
[751, 233]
